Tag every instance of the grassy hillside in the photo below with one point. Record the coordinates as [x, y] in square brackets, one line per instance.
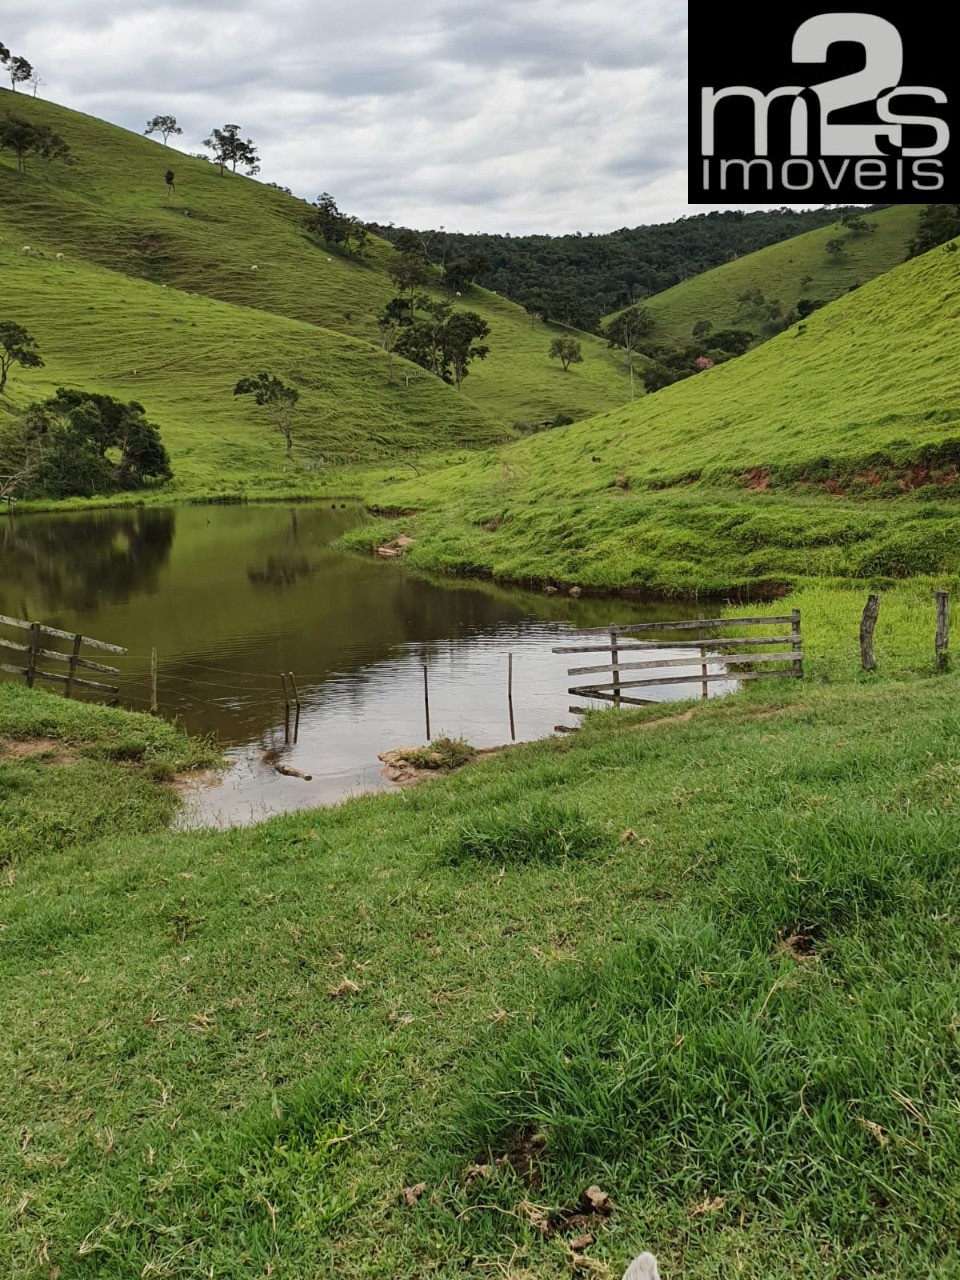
[755, 458]
[784, 273]
[703, 962]
[181, 357]
[111, 209]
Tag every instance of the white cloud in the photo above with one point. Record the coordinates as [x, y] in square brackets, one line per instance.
[514, 115]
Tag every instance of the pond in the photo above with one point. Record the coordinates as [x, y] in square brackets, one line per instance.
[231, 596]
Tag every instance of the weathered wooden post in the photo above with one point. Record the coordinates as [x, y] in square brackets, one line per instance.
[72, 668]
[153, 682]
[32, 655]
[286, 709]
[615, 661]
[867, 624]
[703, 661]
[796, 644]
[513, 730]
[296, 700]
[942, 641]
[426, 698]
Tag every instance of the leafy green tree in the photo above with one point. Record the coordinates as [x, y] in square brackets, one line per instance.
[835, 247]
[335, 228]
[462, 272]
[409, 271]
[567, 350]
[937, 224]
[701, 329]
[441, 340]
[272, 394]
[79, 443]
[229, 148]
[626, 330]
[4, 54]
[166, 126]
[20, 71]
[806, 306]
[16, 347]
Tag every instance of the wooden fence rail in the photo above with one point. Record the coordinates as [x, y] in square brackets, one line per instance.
[34, 652]
[742, 652]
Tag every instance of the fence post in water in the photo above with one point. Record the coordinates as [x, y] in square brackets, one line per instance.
[72, 668]
[703, 662]
[942, 642]
[615, 663]
[426, 698]
[296, 700]
[513, 730]
[153, 682]
[796, 644]
[867, 624]
[286, 709]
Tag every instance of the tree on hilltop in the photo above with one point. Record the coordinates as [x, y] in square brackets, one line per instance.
[272, 394]
[230, 149]
[25, 138]
[4, 54]
[16, 347]
[20, 71]
[331, 226]
[567, 350]
[166, 126]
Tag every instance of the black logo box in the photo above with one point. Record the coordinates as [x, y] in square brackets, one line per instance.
[830, 118]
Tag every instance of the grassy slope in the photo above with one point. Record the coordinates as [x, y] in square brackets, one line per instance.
[182, 355]
[779, 272]
[111, 209]
[856, 400]
[188, 1096]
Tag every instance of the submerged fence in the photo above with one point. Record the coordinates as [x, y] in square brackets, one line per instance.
[741, 653]
[34, 653]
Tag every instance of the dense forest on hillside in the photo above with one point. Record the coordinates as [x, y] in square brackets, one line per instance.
[577, 279]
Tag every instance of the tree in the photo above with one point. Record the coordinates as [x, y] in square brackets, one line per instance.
[701, 329]
[937, 224]
[463, 271]
[170, 178]
[4, 54]
[626, 330]
[79, 443]
[567, 350]
[20, 71]
[272, 394]
[336, 228]
[442, 340]
[166, 126]
[230, 149]
[835, 247]
[16, 347]
[25, 138]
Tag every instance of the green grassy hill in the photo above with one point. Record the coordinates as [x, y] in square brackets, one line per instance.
[111, 209]
[738, 474]
[784, 273]
[181, 355]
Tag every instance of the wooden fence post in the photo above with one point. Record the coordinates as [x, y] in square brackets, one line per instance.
[72, 669]
[296, 700]
[153, 682]
[286, 709]
[513, 727]
[426, 698]
[796, 644]
[703, 662]
[615, 663]
[942, 642]
[34, 643]
[867, 624]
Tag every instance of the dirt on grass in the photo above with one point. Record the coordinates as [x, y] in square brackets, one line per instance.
[24, 748]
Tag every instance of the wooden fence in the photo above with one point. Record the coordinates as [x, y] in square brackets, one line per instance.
[33, 652]
[704, 651]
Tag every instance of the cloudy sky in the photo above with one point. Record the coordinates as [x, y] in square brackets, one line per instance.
[511, 115]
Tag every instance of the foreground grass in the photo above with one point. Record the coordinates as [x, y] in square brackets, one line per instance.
[709, 965]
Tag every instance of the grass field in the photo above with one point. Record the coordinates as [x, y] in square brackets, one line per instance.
[831, 451]
[785, 273]
[111, 209]
[709, 966]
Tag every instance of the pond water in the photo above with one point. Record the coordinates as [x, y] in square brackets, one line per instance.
[232, 596]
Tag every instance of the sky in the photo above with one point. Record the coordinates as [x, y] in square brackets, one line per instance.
[513, 116]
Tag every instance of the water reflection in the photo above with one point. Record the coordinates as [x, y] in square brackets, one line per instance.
[230, 597]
